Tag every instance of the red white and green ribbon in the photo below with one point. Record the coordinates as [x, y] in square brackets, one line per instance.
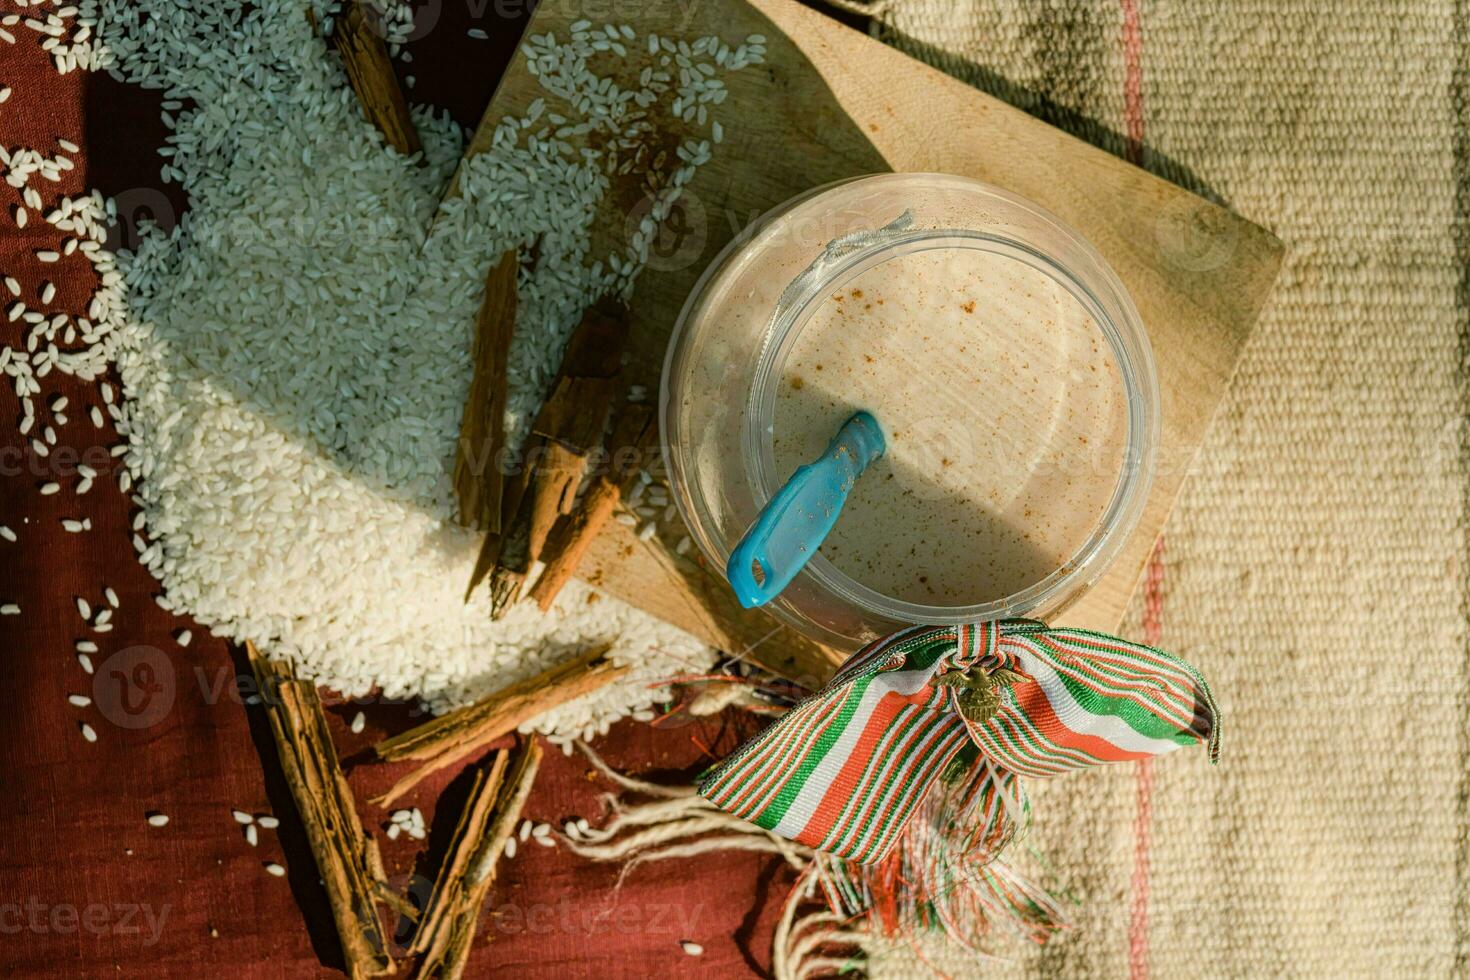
[845, 770]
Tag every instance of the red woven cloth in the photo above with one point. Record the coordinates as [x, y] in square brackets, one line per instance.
[87, 887]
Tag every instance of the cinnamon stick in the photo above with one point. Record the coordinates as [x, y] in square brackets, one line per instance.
[346, 858]
[497, 798]
[479, 478]
[370, 71]
[468, 833]
[567, 430]
[445, 740]
[633, 437]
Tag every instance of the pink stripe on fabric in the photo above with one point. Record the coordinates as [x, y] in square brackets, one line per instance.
[1153, 610]
[1153, 592]
[1142, 840]
[1133, 80]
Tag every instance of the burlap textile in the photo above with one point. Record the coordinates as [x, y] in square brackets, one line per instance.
[1315, 567]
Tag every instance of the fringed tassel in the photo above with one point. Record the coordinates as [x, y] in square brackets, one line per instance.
[943, 876]
[945, 873]
[628, 782]
[804, 943]
[676, 824]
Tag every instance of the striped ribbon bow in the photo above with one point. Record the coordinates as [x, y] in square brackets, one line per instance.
[844, 770]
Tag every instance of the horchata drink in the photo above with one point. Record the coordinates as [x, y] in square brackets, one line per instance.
[1003, 361]
[1003, 412]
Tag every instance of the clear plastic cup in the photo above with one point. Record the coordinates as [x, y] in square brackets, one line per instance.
[744, 323]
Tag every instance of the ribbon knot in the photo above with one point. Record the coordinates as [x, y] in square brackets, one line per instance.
[844, 770]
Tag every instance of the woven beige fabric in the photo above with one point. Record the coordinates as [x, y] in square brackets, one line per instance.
[1315, 566]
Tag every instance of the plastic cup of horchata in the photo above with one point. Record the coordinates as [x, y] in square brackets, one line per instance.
[1000, 356]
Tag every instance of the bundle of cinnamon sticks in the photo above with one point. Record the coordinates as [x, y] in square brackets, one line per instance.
[534, 515]
[544, 517]
[347, 857]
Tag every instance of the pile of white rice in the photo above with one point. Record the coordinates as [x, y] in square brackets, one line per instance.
[295, 351]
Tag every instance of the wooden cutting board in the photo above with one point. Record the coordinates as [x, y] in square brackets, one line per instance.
[830, 103]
